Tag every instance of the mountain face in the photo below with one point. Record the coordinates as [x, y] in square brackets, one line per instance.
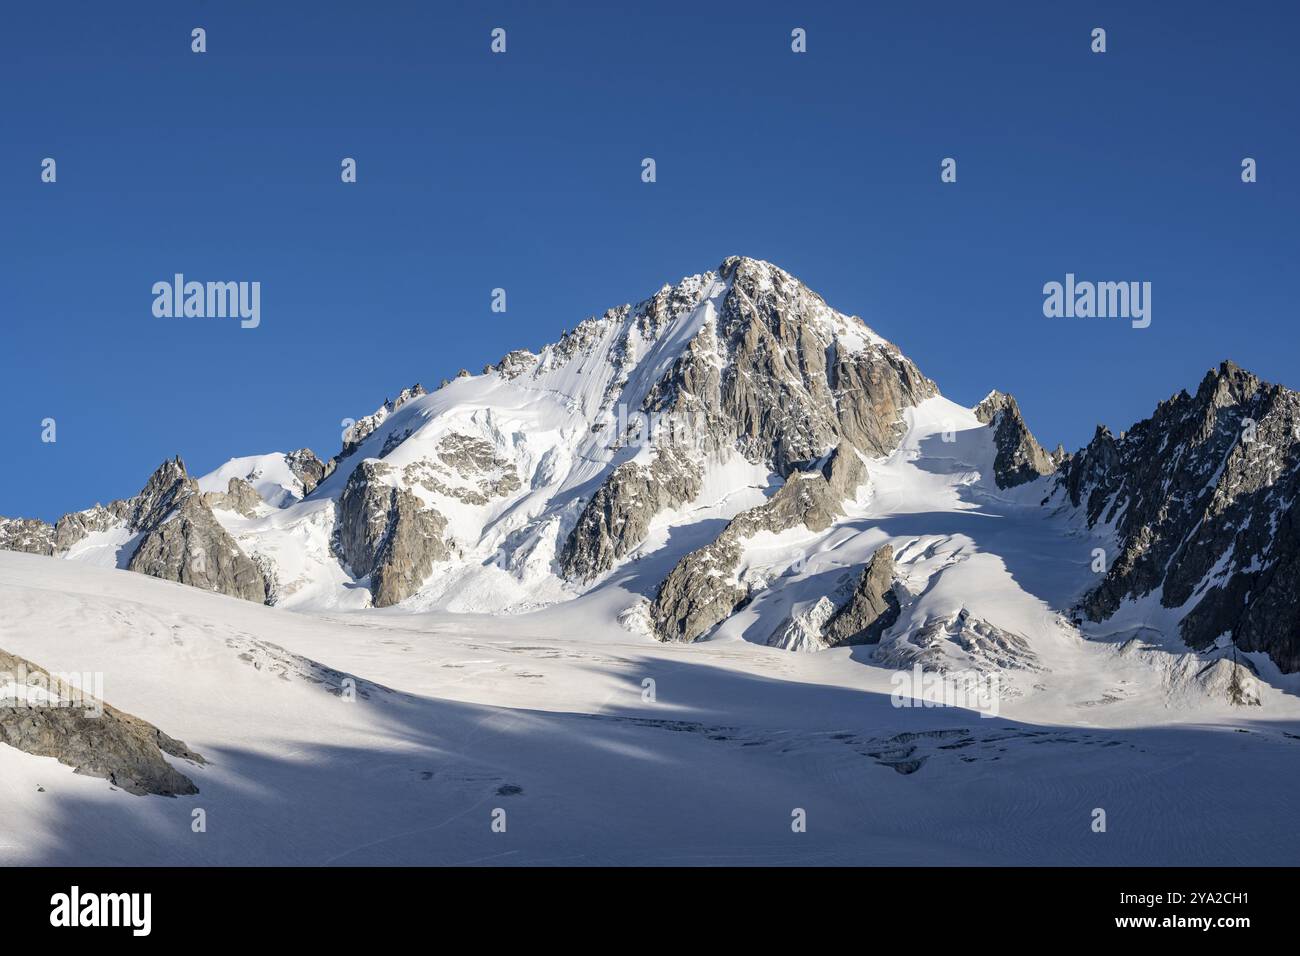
[732, 456]
[1202, 497]
[772, 374]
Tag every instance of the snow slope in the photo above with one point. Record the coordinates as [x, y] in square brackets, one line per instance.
[545, 717]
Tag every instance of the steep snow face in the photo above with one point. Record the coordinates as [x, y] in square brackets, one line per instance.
[270, 476]
[502, 459]
[111, 548]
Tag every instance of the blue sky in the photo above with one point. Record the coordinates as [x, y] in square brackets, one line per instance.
[523, 171]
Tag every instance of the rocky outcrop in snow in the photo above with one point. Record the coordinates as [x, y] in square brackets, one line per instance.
[239, 497]
[704, 588]
[388, 533]
[618, 515]
[182, 540]
[465, 468]
[1019, 456]
[307, 468]
[835, 620]
[179, 538]
[30, 535]
[74, 527]
[125, 750]
[364, 427]
[190, 547]
[872, 608]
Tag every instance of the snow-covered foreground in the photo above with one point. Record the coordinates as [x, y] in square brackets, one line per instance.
[546, 717]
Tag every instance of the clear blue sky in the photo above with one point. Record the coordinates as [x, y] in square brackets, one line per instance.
[523, 171]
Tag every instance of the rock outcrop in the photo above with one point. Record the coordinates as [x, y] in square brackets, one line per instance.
[363, 428]
[872, 608]
[239, 497]
[618, 515]
[30, 535]
[465, 468]
[72, 528]
[388, 533]
[307, 468]
[99, 742]
[1020, 458]
[704, 588]
[190, 547]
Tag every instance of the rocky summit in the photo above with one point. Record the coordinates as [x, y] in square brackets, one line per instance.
[733, 456]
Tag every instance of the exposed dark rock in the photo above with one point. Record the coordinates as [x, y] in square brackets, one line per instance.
[387, 533]
[363, 428]
[239, 497]
[161, 494]
[190, 547]
[73, 527]
[1019, 456]
[872, 608]
[465, 468]
[1205, 501]
[618, 515]
[180, 538]
[30, 535]
[307, 468]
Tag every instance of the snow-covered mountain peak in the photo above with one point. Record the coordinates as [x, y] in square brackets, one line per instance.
[707, 457]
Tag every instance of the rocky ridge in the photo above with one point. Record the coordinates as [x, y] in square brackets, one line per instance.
[1203, 499]
[1020, 458]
